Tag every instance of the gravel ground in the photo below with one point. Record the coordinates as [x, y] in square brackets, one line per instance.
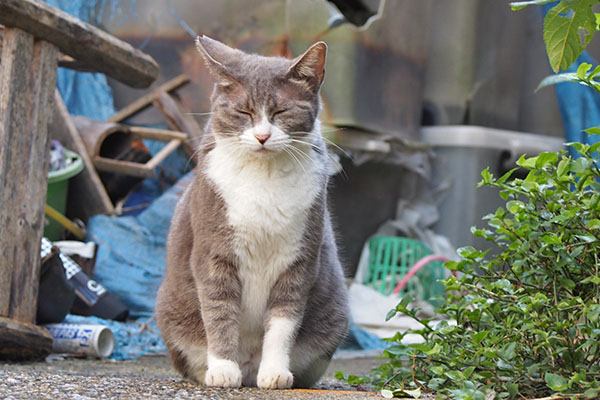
[153, 378]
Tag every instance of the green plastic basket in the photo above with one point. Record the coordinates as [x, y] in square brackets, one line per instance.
[390, 259]
[58, 187]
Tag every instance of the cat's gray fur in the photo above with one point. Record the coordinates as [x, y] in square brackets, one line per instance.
[199, 305]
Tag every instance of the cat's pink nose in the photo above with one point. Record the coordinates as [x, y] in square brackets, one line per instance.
[262, 138]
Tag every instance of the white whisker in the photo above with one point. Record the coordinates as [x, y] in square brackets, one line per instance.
[286, 149]
[197, 113]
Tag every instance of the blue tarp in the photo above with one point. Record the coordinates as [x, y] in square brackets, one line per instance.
[131, 257]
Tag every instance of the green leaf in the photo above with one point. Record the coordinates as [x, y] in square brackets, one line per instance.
[580, 147]
[545, 159]
[562, 32]
[518, 5]
[514, 206]
[455, 376]
[479, 336]
[555, 382]
[438, 370]
[567, 283]
[596, 70]
[436, 350]
[583, 70]
[556, 79]
[468, 372]
[551, 239]
[355, 380]
[507, 175]
[391, 314]
[580, 165]
[509, 351]
[513, 389]
[594, 130]
[586, 238]
[487, 176]
[591, 393]
[525, 162]
[594, 223]
[562, 167]
[405, 301]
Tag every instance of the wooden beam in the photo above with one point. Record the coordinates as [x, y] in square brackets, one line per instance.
[87, 44]
[146, 101]
[163, 153]
[157, 134]
[87, 195]
[21, 341]
[124, 167]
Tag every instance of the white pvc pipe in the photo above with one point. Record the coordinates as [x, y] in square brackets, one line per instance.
[89, 340]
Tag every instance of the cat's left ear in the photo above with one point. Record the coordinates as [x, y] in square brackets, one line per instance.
[309, 68]
[216, 56]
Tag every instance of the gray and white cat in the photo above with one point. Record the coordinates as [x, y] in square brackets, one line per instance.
[254, 292]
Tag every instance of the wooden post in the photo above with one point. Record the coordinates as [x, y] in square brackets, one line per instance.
[27, 80]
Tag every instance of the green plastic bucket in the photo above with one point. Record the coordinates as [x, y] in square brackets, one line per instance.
[390, 259]
[58, 186]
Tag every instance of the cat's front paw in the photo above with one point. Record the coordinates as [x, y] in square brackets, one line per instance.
[274, 378]
[225, 374]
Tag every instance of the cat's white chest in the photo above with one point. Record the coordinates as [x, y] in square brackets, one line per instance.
[267, 206]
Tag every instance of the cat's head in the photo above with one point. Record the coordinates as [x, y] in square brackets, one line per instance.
[264, 104]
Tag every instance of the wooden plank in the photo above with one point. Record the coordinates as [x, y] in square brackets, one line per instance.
[25, 284]
[17, 54]
[87, 195]
[124, 167]
[157, 134]
[87, 44]
[23, 341]
[163, 153]
[173, 110]
[146, 101]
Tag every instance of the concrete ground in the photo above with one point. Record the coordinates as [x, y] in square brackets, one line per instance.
[154, 378]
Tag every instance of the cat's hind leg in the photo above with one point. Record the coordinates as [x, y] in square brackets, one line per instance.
[308, 372]
[189, 361]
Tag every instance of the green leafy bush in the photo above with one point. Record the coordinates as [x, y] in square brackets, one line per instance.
[524, 322]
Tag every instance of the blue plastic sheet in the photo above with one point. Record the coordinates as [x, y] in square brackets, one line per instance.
[132, 253]
[132, 339]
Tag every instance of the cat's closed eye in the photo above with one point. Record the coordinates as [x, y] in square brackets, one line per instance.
[245, 113]
[278, 112]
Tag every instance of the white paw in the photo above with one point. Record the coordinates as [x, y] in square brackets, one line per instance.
[274, 378]
[225, 374]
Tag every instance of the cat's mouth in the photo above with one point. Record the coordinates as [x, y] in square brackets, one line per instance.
[264, 150]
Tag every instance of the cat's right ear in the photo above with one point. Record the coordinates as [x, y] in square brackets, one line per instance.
[216, 56]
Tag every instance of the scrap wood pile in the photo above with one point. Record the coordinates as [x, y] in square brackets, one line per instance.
[105, 160]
